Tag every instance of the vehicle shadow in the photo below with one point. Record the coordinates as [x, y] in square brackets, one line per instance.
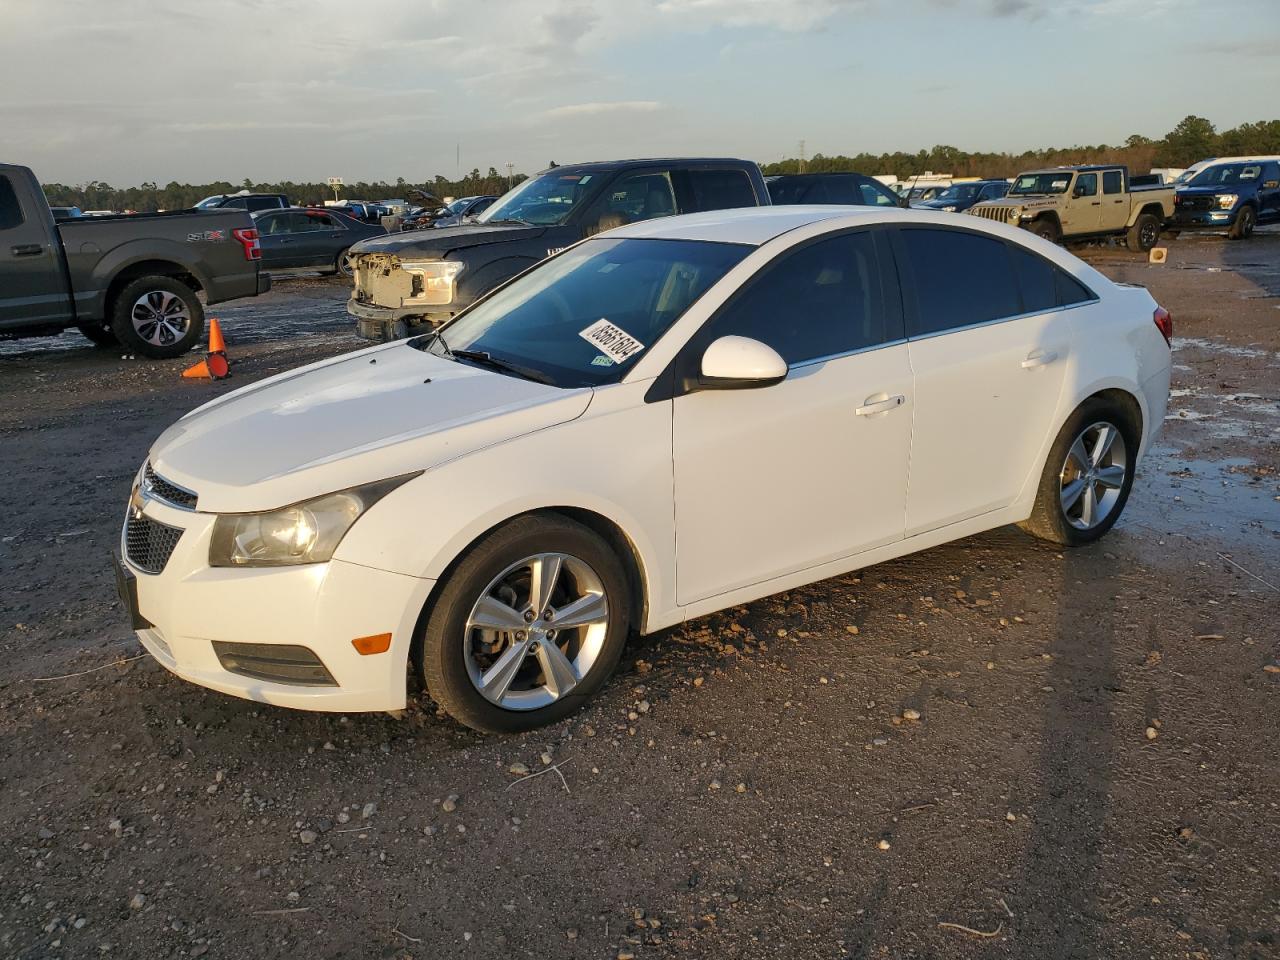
[1063, 904]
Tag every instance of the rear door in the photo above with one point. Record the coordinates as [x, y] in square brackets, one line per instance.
[1081, 211]
[319, 236]
[989, 346]
[1269, 193]
[33, 285]
[1115, 206]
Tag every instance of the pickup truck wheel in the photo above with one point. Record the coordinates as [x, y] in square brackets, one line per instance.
[1246, 220]
[158, 317]
[1144, 234]
[1046, 228]
[100, 334]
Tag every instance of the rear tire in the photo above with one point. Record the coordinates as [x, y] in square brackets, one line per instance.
[462, 663]
[1144, 234]
[1083, 488]
[1045, 228]
[1245, 221]
[157, 317]
[100, 334]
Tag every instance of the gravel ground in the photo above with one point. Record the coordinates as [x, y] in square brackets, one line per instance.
[990, 749]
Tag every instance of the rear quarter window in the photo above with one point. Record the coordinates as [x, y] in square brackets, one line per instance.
[10, 209]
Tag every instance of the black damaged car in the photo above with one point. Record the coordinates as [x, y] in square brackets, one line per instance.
[408, 282]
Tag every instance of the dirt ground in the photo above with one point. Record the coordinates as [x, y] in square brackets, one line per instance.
[1093, 770]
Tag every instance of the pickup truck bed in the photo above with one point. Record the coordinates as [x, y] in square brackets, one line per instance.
[129, 280]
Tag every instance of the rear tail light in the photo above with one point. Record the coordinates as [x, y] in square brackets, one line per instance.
[248, 238]
[1165, 323]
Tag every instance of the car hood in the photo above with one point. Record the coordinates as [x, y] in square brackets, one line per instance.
[1031, 201]
[437, 242]
[937, 204]
[367, 416]
[1236, 188]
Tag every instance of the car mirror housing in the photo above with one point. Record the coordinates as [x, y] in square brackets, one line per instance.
[740, 363]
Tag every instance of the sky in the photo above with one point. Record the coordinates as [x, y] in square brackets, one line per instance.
[130, 91]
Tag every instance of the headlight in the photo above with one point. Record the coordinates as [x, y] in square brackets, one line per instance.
[306, 532]
[1226, 200]
[949, 209]
[433, 281]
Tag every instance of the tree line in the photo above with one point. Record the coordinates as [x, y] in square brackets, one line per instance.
[149, 197]
[1194, 138]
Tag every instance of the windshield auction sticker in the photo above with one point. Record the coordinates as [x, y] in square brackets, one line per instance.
[614, 342]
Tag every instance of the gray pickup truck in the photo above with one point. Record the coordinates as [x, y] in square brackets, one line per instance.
[127, 281]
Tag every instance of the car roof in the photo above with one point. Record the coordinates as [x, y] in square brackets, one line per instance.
[605, 166]
[756, 226]
[814, 176]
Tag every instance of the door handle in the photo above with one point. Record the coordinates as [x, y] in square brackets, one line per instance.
[1039, 358]
[26, 250]
[872, 406]
[1096, 203]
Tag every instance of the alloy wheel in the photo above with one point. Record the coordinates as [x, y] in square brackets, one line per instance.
[160, 317]
[1093, 475]
[1150, 234]
[536, 631]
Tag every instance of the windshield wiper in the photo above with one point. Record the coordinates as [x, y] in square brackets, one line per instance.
[523, 223]
[483, 358]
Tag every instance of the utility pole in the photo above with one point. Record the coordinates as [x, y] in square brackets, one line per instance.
[510, 167]
[802, 156]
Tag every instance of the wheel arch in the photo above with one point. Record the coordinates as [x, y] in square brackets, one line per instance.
[1155, 209]
[148, 268]
[608, 529]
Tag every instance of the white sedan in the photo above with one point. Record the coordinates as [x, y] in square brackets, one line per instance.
[672, 418]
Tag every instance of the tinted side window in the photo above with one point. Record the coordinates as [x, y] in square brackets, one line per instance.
[261, 203]
[10, 210]
[632, 197]
[720, 189]
[820, 300]
[234, 202]
[958, 279]
[1036, 280]
[1112, 181]
[1086, 185]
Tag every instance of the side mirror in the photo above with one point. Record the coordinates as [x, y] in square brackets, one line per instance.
[1270, 184]
[905, 202]
[740, 363]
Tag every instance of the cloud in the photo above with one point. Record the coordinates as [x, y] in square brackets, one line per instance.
[595, 109]
[790, 15]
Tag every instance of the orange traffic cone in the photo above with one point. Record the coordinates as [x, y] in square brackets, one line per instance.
[215, 365]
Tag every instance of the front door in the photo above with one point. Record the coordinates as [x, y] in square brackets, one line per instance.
[989, 365]
[33, 288]
[776, 480]
[1081, 212]
[1115, 202]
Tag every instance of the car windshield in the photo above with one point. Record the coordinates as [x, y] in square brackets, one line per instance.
[1032, 183]
[458, 205]
[1227, 173]
[208, 202]
[544, 200]
[585, 317]
[959, 191]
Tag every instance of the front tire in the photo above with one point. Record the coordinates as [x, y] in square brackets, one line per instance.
[342, 265]
[528, 626]
[1046, 229]
[1144, 234]
[1087, 476]
[157, 317]
[1244, 223]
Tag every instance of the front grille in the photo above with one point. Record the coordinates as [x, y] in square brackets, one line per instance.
[148, 543]
[997, 213]
[1198, 204]
[162, 489]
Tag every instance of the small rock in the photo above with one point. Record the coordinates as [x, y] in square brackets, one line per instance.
[368, 810]
[137, 901]
[714, 785]
[519, 769]
[698, 681]
[344, 817]
[308, 836]
[852, 629]
[546, 758]
[741, 788]
[571, 934]
[910, 714]
[450, 803]
[1011, 817]
[1152, 733]
[293, 896]
[880, 741]
[45, 833]
[883, 844]
[1272, 668]
[115, 826]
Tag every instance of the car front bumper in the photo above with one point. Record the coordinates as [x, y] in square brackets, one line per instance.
[1204, 219]
[189, 612]
[383, 324]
